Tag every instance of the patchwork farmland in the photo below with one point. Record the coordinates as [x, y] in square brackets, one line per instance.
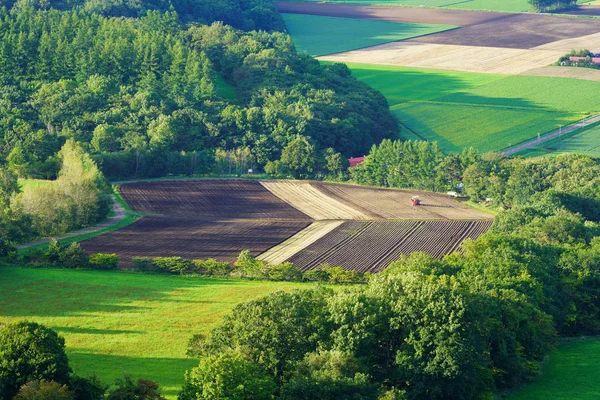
[308, 223]
[488, 84]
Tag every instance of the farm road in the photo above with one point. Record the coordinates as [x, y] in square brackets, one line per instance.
[550, 136]
[119, 215]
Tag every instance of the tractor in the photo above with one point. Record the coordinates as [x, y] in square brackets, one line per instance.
[415, 200]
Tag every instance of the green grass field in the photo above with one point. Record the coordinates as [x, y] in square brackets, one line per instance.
[570, 373]
[488, 112]
[117, 322]
[318, 35]
[481, 5]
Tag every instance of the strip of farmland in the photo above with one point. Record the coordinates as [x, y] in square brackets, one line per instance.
[372, 246]
[312, 202]
[193, 238]
[299, 241]
[208, 198]
[395, 204]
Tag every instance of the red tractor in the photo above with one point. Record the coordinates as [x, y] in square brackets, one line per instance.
[415, 200]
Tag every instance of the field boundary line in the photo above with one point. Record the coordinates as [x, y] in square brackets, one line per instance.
[552, 135]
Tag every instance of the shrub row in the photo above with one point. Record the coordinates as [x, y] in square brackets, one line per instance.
[246, 266]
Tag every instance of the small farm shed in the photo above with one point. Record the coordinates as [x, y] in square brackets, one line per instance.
[354, 161]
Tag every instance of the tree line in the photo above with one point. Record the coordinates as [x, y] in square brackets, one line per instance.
[245, 15]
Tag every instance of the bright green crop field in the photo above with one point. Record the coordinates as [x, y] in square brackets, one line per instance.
[570, 373]
[317, 36]
[482, 5]
[487, 112]
[118, 322]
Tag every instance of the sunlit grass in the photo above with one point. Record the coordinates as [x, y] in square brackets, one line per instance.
[118, 322]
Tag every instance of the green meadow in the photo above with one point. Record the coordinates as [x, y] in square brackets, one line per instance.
[119, 322]
[571, 372]
[480, 5]
[317, 36]
[485, 111]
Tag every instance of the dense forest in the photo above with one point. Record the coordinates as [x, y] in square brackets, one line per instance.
[145, 98]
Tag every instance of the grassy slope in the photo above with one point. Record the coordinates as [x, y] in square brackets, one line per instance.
[483, 5]
[570, 373]
[488, 112]
[116, 322]
[318, 36]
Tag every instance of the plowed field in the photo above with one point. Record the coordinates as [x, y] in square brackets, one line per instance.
[372, 246]
[194, 238]
[208, 198]
[395, 204]
[308, 223]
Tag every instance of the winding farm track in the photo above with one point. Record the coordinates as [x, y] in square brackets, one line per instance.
[118, 215]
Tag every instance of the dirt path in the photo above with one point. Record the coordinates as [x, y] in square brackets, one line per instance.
[550, 136]
[119, 215]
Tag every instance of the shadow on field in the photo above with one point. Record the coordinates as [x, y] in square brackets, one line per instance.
[63, 293]
[168, 372]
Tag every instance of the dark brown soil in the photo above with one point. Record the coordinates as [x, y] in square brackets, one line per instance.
[395, 14]
[518, 31]
[191, 238]
[208, 198]
[372, 246]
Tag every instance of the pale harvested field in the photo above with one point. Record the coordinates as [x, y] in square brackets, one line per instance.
[586, 74]
[305, 198]
[590, 42]
[491, 60]
[395, 204]
[299, 241]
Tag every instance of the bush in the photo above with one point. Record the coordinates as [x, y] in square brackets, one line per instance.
[89, 388]
[53, 252]
[127, 389]
[44, 390]
[212, 267]
[141, 263]
[318, 274]
[247, 265]
[104, 261]
[174, 265]
[73, 257]
[285, 272]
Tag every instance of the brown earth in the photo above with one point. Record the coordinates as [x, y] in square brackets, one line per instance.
[518, 31]
[208, 198]
[395, 204]
[218, 218]
[372, 246]
[394, 14]
[192, 238]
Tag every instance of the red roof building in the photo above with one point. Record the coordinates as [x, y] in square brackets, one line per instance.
[354, 161]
